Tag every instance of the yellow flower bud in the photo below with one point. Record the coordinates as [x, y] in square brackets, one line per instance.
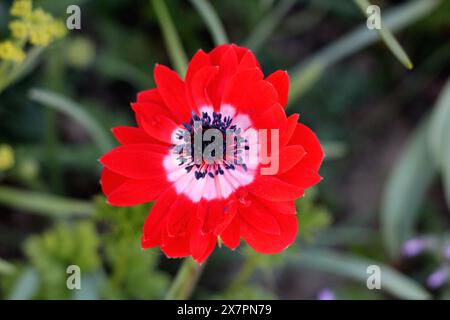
[6, 157]
[40, 17]
[58, 29]
[21, 8]
[8, 51]
[19, 29]
[40, 37]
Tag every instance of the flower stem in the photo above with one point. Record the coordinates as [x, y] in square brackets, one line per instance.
[171, 38]
[185, 280]
[246, 271]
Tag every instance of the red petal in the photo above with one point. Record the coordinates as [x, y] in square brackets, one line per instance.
[218, 52]
[132, 135]
[291, 125]
[217, 215]
[137, 161]
[155, 122]
[261, 96]
[110, 181]
[180, 216]
[198, 61]
[201, 244]
[231, 236]
[305, 137]
[154, 223]
[274, 189]
[248, 60]
[289, 156]
[209, 249]
[133, 192]
[238, 87]
[301, 176]
[280, 81]
[272, 118]
[199, 84]
[269, 243]
[177, 248]
[284, 207]
[227, 68]
[260, 218]
[173, 92]
[150, 96]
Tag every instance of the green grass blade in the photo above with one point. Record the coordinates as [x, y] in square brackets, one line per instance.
[44, 204]
[212, 20]
[388, 38]
[265, 27]
[405, 190]
[354, 267]
[305, 75]
[171, 38]
[438, 136]
[75, 111]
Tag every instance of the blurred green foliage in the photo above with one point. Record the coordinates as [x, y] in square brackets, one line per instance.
[360, 100]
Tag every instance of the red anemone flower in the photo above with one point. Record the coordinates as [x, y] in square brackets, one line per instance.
[197, 204]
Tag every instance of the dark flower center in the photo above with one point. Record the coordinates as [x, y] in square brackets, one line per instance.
[210, 164]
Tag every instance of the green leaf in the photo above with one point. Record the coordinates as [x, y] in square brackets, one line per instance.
[405, 190]
[387, 36]
[44, 204]
[266, 26]
[440, 125]
[75, 111]
[6, 267]
[171, 37]
[212, 20]
[26, 285]
[354, 267]
[438, 136]
[305, 75]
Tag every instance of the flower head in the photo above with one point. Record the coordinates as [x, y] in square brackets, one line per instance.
[239, 181]
[438, 277]
[326, 294]
[9, 51]
[21, 8]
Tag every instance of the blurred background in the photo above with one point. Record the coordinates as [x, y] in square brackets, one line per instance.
[385, 196]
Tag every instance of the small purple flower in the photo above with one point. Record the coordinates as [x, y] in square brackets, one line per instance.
[414, 247]
[438, 278]
[326, 294]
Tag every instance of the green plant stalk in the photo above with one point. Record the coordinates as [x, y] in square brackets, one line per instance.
[306, 74]
[245, 272]
[56, 101]
[387, 37]
[53, 77]
[44, 204]
[173, 43]
[212, 20]
[266, 26]
[185, 281]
